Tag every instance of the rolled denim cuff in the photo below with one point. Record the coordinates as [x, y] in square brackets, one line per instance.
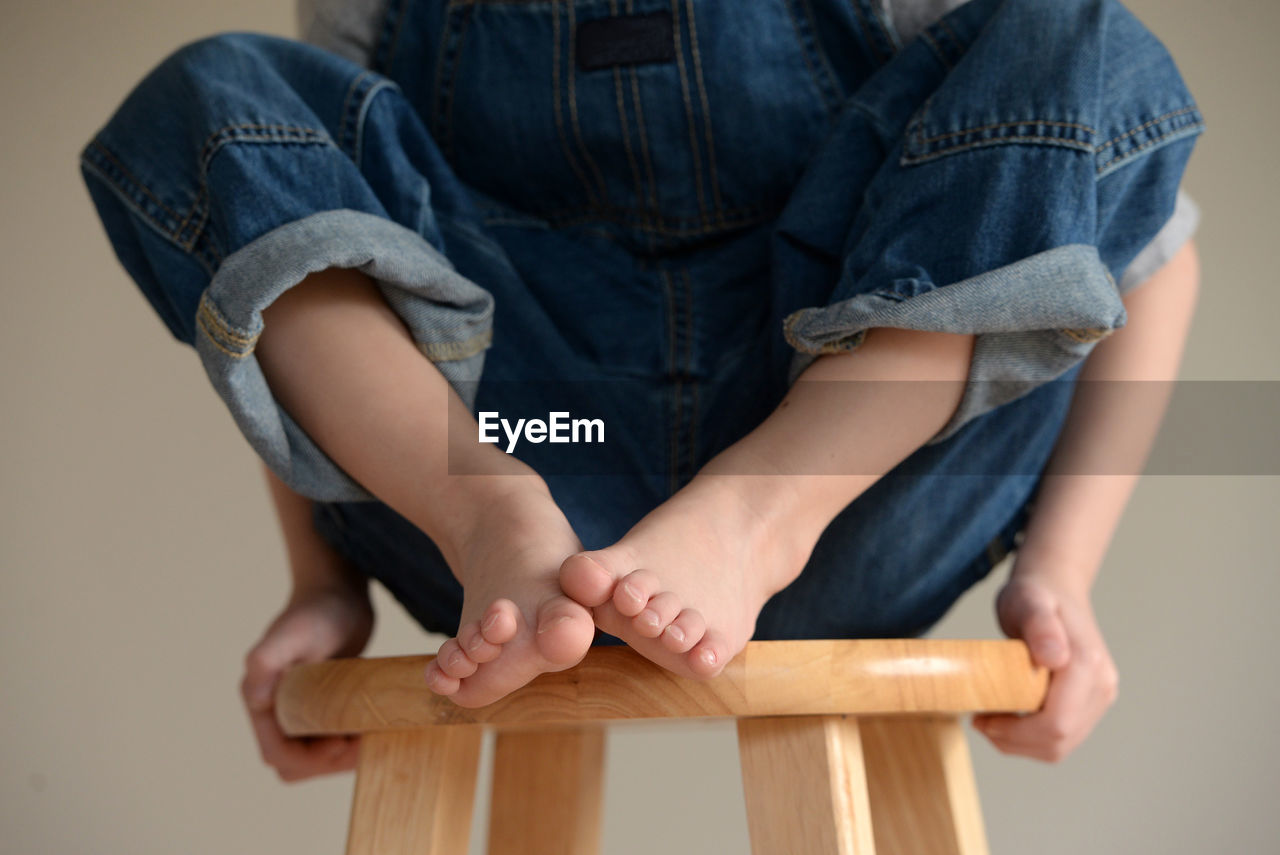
[1032, 319]
[1171, 238]
[449, 317]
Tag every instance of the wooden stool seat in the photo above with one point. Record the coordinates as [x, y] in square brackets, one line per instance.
[846, 746]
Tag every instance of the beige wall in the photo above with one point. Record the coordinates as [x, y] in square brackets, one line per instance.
[138, 559]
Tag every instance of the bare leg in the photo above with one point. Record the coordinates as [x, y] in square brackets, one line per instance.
[345, 368]
[684, 587]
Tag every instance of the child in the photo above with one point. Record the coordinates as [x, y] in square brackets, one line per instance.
[813, 269]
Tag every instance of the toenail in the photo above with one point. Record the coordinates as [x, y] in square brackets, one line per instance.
[490, 622]
[675, 632]
[455, 657]
[649, 617]
[631, 591]
[708, 657]
[547, 627]
[475, 643]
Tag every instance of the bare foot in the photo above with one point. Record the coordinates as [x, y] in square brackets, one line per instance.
[516, 622]
[684, 587]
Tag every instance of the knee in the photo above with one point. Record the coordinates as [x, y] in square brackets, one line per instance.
[209, 69]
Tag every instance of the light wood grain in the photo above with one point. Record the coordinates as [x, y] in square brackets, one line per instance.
[923, 795]
[804, 785]
[548, 792]
[414, 792]
[768, 678]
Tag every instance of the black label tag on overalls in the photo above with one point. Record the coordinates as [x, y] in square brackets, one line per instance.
[629, 40]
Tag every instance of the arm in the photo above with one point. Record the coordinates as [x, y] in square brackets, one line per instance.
[1109, 432]
[313, 564]
[328, 614]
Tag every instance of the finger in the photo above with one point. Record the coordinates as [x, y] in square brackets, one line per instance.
[1046, 637]
[295, 759]
[1032, 614]
[279, 648]
[287, 642]
[1058, 727]
[1004, 745]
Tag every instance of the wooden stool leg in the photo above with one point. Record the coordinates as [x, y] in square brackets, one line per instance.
[923, 795]
[414, 791]
[805, 787]
[548, 788]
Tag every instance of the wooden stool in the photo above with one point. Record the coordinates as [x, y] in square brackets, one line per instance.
[846, 746]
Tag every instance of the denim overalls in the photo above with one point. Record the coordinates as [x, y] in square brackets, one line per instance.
[658, 213]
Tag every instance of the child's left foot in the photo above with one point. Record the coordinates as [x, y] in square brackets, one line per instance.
[685, 585]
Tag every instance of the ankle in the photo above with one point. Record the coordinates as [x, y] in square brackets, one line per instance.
[757, 511]
[467, 506]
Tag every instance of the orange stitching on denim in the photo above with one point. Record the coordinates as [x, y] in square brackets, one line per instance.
[453, 82]
[133, 179]
[212, 145]
[655, 215]
[804, 52]
[395, 37]
[928, 39]
[201, 322]
[625, 125]
[706, 112]
[877, 12]
[923, 139]
[1020, 140]
[572, 70]
[1119, 158]
[942, 22]
[440, 52]
[453, 351]
[555, 87]
[688, 367]
[346, 106]
[674, 459]
[1087, 334]
[688, 112]
[847, 342]
[866, 29]
[224, 328]
[1157, 120]
[209, 323]
[644, 148]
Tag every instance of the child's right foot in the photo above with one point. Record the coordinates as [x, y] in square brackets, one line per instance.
[516, 622]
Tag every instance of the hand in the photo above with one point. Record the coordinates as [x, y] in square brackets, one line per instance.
[317, 624]
[1059, 627]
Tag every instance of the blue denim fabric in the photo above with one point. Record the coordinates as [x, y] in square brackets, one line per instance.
[684, 234]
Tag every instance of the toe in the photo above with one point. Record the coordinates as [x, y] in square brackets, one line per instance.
[633, 591]
[661, 610]
[586, 578]
[473, 643]
[440, 682]
[686, 630]
[453, 662]
[708, 656]
[501, 622]
[565, 631]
